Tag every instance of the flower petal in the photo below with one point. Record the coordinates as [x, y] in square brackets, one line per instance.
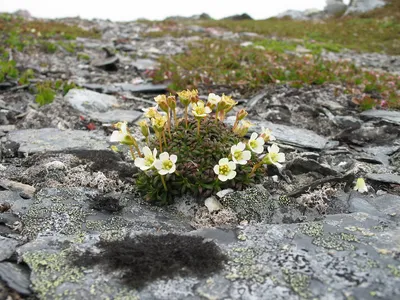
[158, 164]
[139, 162]
[232, 165]
[216, 169]
[246, 155]
[164, 156]
[274, 148]
[162, 172]
[208, 110]
[232, 175]
[281, 157]
[253, 136]
[222, 177]
[172, 170]
[146, 151]
[240, 146]
[116, 136]
[154, 152]
[223, 161]
[173, 158]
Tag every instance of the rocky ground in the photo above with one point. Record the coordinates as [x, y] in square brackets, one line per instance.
[306, 235]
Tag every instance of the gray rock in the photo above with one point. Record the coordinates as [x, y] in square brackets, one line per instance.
[302, 165]
[387, 178]
[286, 261]
[126, 87]
[386, 115]
[145, 64]
[293, 135]
[108, 63]
[294, 14]
[335, 6]
[26, 189]
[18, 204]
[357, 204]
[7, 247]
[347, 122]
[362, 6]
[116, 115]
[16, 277]
[52, 139]
[387, 204]
[88, 101]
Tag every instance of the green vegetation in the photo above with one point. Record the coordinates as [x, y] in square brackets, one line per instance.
[376, 31]
[17, 33]
[47, 90]
[282, 46]
[8, 70]
[250, 68]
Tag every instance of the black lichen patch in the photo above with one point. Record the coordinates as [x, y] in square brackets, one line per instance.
[108, 202]
[145, 258]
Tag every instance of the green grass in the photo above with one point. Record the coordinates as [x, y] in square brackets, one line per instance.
[282, 46]
[212, 62]
[17, 33]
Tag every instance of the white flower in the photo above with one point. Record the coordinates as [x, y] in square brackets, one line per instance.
[256, 144]
[146, 162]
[213, 99]
[361, 186]
[266, 135]
[122, 135]
[199, 110]
[274, 157]
[225, 169]
[239, 155]
[166, 163]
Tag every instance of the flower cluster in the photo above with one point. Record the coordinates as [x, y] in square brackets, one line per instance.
[210, 152]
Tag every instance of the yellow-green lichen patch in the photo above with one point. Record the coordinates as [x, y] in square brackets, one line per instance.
[59, 217]
[394, 270]
[363, 231]
[298, 282]
[313, 229]
[242, 265]
[51, 270]
[333, 241]
[53, 276]
[114, 223]
[348, 237]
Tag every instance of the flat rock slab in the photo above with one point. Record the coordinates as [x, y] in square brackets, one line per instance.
[145, 64]
[290, 135]
[340, 257]
[87, 101]
[52, 139]
[386, 115]
[127, 87]
[16, 277]
[387, 178]
[7, 247]
[116, 115]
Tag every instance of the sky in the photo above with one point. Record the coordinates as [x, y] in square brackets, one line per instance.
[127, 10]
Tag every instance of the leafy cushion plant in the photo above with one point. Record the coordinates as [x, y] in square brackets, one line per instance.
[196, 153]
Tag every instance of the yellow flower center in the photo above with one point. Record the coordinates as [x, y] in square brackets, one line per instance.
[253, 144]
[148, 160]
[273, 157]
[238, 155]
[224, 170]
[167, 164]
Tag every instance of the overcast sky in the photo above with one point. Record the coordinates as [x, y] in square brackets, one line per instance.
[125, 10]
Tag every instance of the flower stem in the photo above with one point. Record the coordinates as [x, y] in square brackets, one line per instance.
[169, 123]
[163, 182]
[235, 124]
[132, 152]
[175, 119]
[186, 116]
[165, 140]
[198, 127]
[216, 115]
[147, 141]
[255, 167]
[160, 141]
